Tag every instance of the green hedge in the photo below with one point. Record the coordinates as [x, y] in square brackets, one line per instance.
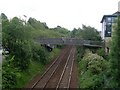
[92, 68]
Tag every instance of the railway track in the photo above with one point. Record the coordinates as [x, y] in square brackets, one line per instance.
[58, 75]
[65, 78]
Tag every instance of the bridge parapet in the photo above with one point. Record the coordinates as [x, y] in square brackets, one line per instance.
[69, 41]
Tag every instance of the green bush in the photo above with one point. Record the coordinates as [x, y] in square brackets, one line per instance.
[95, 63]
[9, 77]
[91, 81]
[60, 46]
[115, 54]
[80, 52]
[39, 54]
[23, 55]
[91, 71]
[102, 53]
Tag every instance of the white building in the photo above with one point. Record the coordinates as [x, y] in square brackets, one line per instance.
[108, 21]
[107, 24]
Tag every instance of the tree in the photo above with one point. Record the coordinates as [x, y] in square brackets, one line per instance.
[115, 55]
[74, 33]
[90, 33]
[87, 33]
[16, 42]
[37, 24]
[39, 54]
[4, 17]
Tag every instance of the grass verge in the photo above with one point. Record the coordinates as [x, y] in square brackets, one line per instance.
[24, 77]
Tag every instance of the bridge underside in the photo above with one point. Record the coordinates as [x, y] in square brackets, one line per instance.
[70, 41]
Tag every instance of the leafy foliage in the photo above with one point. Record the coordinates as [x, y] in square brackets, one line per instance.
[115, 55]
[80, 52]
[40, 29]
[17, 43]
[38, 56]
[3, 16]
[102, 53]
[63, 31]
[9, 73]
[91, 71]
[87, 33]
[37, 24]
[19, 39]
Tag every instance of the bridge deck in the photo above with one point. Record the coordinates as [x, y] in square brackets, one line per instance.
[70, 41]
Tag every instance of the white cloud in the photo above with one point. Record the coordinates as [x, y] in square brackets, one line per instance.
[66, 13]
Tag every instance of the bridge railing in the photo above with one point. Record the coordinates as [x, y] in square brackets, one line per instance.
[90, 42]
[69, 41]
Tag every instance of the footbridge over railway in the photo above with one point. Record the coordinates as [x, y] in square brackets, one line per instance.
[70, 41]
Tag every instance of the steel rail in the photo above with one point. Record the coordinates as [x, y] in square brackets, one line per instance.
[63, 71]
[53, 72]
[71, 70]
[35, 84]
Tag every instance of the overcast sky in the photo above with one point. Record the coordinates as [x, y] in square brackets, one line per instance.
[66, 13]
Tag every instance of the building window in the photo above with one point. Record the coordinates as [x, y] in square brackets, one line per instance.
[108, 31]
[109, 23]
[109, 19]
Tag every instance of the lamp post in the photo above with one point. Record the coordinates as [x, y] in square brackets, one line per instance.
[119, 6]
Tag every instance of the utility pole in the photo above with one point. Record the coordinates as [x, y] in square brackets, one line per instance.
[119, 6]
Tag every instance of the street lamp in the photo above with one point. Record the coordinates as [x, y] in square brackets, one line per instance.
[119, 6]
